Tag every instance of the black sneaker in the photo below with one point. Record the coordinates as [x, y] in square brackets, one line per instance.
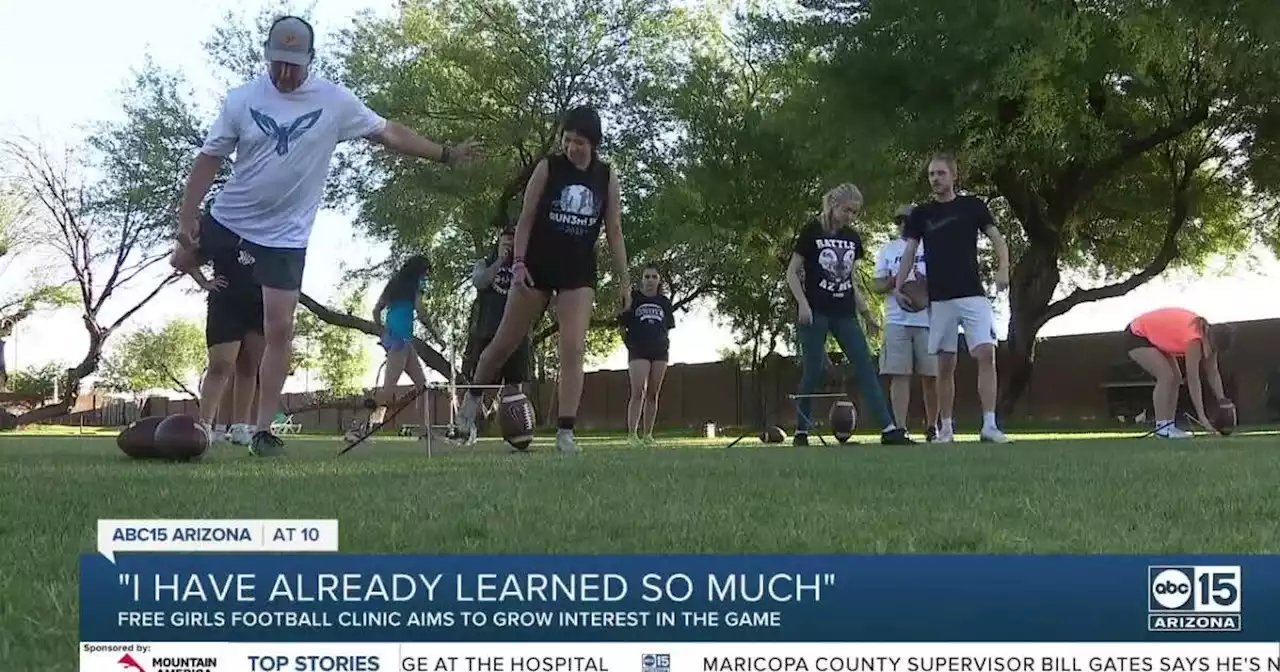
[896, 437]
[931, 434]
[266, 444]
[800, 439]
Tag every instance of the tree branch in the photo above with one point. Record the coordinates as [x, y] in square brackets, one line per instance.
[1167, 252]
[179, 386]
[1132, 148]
[145, 300]
[430, 356]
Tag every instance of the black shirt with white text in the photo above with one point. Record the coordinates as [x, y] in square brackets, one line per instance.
[648, 322]
[829, 259]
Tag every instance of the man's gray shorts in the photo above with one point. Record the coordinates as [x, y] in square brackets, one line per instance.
[906, 352]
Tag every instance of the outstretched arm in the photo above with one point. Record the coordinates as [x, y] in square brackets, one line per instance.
[399, 138]
[1195, 353]
[1215, 377]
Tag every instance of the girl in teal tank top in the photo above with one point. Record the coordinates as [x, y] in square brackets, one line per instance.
[399, 303]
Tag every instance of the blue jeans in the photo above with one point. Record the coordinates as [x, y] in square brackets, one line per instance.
[813, 347]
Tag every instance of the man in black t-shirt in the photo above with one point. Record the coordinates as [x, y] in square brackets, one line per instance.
[949, 226]
[492, 280]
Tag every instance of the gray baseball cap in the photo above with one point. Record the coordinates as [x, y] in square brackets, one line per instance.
[291, 41]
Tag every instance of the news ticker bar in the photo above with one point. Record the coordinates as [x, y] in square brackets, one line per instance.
[683, 657]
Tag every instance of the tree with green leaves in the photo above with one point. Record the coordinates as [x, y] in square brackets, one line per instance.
[338, 355]
[30, 287]
[106, 215]
[38, 384]
[170, 357]
[748, 176]
[528, 63]
[1113, 140]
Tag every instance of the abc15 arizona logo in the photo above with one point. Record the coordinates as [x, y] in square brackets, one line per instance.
[1191, 598]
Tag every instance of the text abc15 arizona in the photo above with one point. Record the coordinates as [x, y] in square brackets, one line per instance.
[1194, 598]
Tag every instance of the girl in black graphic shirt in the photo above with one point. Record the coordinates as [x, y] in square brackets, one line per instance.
[568, 200]
[645, 330]
[828, 301]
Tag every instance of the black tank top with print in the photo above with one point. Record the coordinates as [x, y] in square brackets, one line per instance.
[570, 214]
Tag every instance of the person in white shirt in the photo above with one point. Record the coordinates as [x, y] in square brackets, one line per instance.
[283, 128]
[905, 351]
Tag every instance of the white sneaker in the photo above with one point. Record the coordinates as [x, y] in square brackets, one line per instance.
[945, 435]
[240, 435]
[993, 435]
[565, 441]
[467, 410]
[1172, 431]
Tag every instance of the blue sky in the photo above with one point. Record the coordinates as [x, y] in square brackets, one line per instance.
[56, 86]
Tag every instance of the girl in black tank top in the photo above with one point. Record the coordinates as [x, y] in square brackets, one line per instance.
[568, 199]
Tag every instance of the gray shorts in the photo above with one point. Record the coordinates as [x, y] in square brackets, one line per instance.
[906, 352]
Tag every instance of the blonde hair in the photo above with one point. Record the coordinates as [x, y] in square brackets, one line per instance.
[837, 196]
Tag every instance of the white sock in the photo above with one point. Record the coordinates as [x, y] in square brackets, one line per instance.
[989, 421]
[1163, 426]
[888, 429]
[944, 425]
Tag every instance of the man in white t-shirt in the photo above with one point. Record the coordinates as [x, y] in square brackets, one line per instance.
[282, 128]
[905, 352]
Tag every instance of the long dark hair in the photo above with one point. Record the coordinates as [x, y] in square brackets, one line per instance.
[403, 286]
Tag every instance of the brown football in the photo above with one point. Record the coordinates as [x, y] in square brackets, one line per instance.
[516, 418]
[138, 439]
[180, 437]
[916, 293]
[1224, 419]
[843, 419]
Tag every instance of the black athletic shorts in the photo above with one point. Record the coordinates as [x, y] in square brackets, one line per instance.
[648, 351]
[1133, 341]
[230, 318]
[515, 371]
[560, 275]
[274, 267]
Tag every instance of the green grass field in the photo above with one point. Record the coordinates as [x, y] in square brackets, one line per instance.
[1081, 493]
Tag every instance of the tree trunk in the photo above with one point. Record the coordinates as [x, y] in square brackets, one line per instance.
[1034, 280]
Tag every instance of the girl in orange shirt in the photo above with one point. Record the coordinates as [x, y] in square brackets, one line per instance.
[1156, 340]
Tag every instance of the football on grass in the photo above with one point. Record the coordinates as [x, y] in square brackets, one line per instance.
[516, 418]
[843, 419]
[138, 439]
[180, 437]
[1224, 419]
